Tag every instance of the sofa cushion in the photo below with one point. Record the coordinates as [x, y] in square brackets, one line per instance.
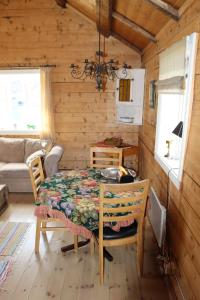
[11, 150]
[31, 145]
[14, 170]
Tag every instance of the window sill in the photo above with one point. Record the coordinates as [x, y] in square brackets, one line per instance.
[171, 167]
[20, 132]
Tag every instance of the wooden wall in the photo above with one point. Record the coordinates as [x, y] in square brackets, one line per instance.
[184, 205]
[39, 32]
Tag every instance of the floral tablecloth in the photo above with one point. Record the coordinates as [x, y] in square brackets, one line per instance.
[73, 197]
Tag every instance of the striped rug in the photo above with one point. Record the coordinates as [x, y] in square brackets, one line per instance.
[5, 267]
[11, 235]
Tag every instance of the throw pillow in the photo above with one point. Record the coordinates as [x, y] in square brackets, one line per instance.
[41, 153]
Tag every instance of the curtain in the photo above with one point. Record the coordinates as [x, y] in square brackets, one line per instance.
[172, 61]
[174, 85]
[172, 69]
[47, 121]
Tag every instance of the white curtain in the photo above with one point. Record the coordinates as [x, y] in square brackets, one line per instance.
[47, 122]
[172, 61]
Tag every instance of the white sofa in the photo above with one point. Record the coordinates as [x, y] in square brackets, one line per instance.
[14, 153]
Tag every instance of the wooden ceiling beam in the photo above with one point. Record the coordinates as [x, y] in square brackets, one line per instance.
[166, 8]
[127, 43]
[90, 18]
[62, 3]
[105, 9]
[134, 26]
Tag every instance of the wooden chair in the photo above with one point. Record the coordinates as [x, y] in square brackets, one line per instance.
[37, 177]
[104, 157]
[135, 210]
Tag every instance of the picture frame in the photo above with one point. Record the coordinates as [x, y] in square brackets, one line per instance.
[152, 94]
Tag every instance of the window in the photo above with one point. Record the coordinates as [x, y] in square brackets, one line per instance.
[124, 90]
[20, 101]
[175, 95]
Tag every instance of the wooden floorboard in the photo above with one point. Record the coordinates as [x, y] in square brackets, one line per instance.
[75, 276]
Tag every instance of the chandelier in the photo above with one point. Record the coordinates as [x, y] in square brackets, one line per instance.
[99, 70]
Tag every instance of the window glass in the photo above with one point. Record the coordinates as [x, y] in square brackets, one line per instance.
[20, 101]
[124, 90]
[170, 114]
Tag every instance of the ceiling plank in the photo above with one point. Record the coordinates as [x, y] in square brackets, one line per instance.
[82, 9]
[104, 7]
[166, 8]
[62, 3]
[134, 26]
[184, 7]
[125, 42]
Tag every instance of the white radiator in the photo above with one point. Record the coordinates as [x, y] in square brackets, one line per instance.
[157, 217]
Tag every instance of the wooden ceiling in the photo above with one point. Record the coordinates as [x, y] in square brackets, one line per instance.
[134, 22]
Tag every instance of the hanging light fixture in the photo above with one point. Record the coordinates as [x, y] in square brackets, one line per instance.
[99, 70]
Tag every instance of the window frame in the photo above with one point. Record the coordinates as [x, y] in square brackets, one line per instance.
[20, 132]
[174, 173]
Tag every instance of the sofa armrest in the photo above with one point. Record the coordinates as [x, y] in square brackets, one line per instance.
[51, 160]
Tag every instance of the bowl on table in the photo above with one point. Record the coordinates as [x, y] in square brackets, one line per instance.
[111, 173]
[119, 174]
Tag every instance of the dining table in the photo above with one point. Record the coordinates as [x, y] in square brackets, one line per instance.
[73, 197]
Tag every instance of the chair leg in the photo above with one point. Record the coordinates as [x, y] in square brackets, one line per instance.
[101, 263]
[37, 235]
[76, 243]
[44, 224]
[92, 246]
[140, 254]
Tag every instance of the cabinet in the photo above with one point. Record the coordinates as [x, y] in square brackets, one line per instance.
[129, 96]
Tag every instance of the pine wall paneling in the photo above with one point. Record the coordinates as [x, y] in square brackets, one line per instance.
[184, 204]
[39, 32]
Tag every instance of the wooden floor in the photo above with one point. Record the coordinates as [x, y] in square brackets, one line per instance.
[53, 275]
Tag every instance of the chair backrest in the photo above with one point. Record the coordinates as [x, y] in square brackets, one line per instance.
[104, 157]
[128, 203]
[36, 174]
